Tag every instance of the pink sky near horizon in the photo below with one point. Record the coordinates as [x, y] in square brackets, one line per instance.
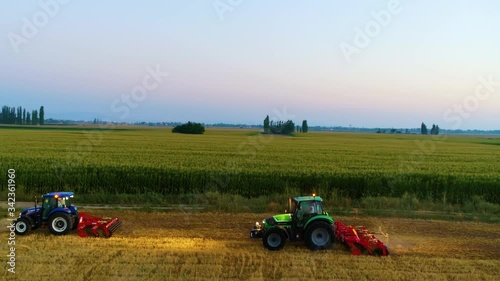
[262, 57]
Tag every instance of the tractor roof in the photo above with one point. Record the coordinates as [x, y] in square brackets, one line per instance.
[59, 194]
[308, 198]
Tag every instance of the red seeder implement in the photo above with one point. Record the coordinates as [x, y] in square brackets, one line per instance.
[99, 227]
[359, 239]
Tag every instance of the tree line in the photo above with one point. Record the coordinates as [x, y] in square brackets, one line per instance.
[189, 128]
[424, 131]
[283, 128]
[21, 116]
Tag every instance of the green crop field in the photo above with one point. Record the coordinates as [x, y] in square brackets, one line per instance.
[126, 160]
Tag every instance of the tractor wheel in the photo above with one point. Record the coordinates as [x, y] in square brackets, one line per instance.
[102, 234]
[76, 220]
[379, 252]
[23, 226]
[319, 235]
[274, 239]
[59, 223]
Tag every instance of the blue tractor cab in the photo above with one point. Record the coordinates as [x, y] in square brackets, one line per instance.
[57, 212]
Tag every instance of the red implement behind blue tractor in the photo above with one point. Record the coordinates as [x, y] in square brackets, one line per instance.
[60, 216]
[96, 226]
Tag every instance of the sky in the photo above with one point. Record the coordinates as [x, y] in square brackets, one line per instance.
[384, 63]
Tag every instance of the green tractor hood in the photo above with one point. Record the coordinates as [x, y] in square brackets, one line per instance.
[282, 219]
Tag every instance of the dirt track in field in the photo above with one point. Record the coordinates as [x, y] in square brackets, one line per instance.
[201, 246]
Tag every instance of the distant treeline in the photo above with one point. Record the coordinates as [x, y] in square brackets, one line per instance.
[260, 126]
[21, 116]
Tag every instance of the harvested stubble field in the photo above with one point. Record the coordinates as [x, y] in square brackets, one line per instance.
[214, 246]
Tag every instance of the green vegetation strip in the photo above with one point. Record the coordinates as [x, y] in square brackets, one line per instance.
[121, 162]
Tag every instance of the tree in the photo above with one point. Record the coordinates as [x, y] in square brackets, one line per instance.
[28, 118]
[266, 125]
[279, 127]
[34, 117]
[423, 129]
[42, 115]
[3, 115]
[435, 130]
[24, 116]
[282, 128]
[8, 115]
[12, 117]
[19, 116]
[305, 128]
[189, 128]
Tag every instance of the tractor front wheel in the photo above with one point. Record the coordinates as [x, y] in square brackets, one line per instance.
[274, 239]
[319, 235]
[59, 223]
[23, 226]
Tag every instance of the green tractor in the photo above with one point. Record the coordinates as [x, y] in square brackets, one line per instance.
[304, 219]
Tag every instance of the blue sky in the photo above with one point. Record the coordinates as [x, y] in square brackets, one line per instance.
[236, 61]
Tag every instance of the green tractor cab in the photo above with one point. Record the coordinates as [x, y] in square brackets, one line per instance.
[304, 219]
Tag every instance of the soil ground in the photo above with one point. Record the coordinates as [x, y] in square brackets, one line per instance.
[159, 245]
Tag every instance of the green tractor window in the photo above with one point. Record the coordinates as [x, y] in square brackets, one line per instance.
[307, 210]
[311, 208]
[316, 208]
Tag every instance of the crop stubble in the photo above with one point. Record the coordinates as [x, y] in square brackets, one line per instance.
[214, 246]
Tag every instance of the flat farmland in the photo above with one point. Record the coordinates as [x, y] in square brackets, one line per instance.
[215, 246]
[124, 160]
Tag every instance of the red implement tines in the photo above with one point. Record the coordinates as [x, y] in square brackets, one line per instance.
[358, 238]
[96, 226]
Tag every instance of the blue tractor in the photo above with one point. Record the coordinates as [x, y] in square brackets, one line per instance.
[56, 212]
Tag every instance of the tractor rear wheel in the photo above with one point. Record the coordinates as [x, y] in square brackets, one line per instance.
[319, 235]
[76, 220]
[23, 226]
[59, 223]
[274, 239]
